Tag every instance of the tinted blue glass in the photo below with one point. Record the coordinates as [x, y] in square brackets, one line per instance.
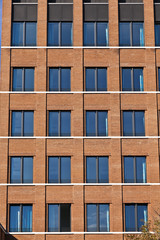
[53, 34]
[15, 222]
[65, 79]
[130, 218]
[102, 123]
[103, 217]
[141, 215]
[54, 79]
[138, 34]
[103, 169]
[129, 170]
[16, 123]
[101, 79]
[128, 123]
[124, 34]
[53, 123]
[27, 218]
[126, 79]
[65, 123]
[139, 123]
[90, 123]
[15, 170]
[89, 35]
[138, 79]
[141, 170]
[91, 170]
[28, 123]
[66, 32]
[31, 34]
[65, 170]
[159, 77]
[53, 169]
[17, 79]
[29, 79]
[91, 218]
[17, 34]
[157, 34]
[90, 79]
[27, 170]
[53, 218]
[102, 34]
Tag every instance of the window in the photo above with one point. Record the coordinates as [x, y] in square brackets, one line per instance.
[157, 34]
[135, 170]
[59, 169]
[20, 218]
[96, 79]
[21, 170]
[96, 123]
[59, 217]
[97, 169]
[97, 217]
[60, 34]
[22, 123]
[95, 34]
[133, 123]
[132, 79]
[135, 217]
[131, 34]
[158, 79]
[24, 34]
[59, 123]
[23, 79]
[59, 79]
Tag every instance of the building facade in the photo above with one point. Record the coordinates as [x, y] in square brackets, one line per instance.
[79, 118]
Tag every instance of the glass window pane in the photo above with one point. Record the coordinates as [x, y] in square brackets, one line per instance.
[89, 34]
[53, 34]
[54, 79]
[138, 79]
[102, 34]
[126, 79]
[16, 123]
[53, 123]
[90, 79]
[53, 218]
[66, 34]
[157, 34]
[15, 170]
[90, 123]
[103, 217]
[91, 218]
[17, 34]
[65, 170]
[103, 169]
[65, 123]
[141, 169]
[15, 219]
[138, 34]
[141, 215]
[101, 79]
[28, 123]
[139, 123]
[130, 218]
[17, 79]
[65, 218]
[27, 218]
[91, 170]
[27, 170]
[127, 123]
[31, 34]
[29, 79]
[159, 77]
[129, 170]
[53, 169]
[102, 123]
[65, 79]
[124, 34]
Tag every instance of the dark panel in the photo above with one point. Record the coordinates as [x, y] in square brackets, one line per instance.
[25, 1]
[65, 218]
[95, 1]
[157, 12]
[131, 12]
[25, 13]
[60, 12]
[96, 12]
[60, 1]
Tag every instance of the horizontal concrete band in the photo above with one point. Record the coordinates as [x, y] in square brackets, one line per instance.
[81, 92]
[79, 184]
[80, 137]
[80, 47]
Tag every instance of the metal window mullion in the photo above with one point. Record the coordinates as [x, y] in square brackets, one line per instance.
[97, 169]
[135, 174]
[59, 79]
[96, 79]
[59, 123]
[60, 33]
[133, 123]
[132, 79]
[59, 169]
[21, 212]
[95, 34]
[22, 169]
[24, 33]
[97, 217]
[22, 123]
[96, 122]
[136, 220]
[23, 79]
[59, 217]
[131, 33]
